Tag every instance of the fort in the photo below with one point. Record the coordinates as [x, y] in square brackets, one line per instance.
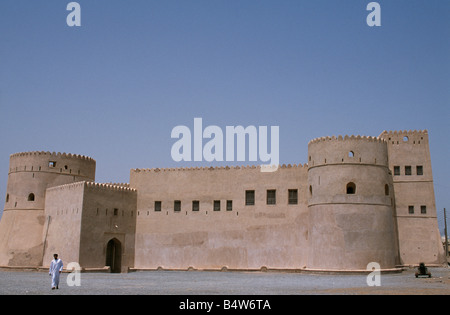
[357, 200]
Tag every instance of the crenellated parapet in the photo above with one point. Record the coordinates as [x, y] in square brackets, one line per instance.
[345, 138]
[92, 186]
[52, 154]
[110, 187]
[348, 150]
[414, 137]
[52, 162]
[217, 168]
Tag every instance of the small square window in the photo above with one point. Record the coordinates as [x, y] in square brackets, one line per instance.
[423, 209]
[419, 170]
[177, 205]
[249, 197]
[396, 170]
[407, 170]
[216, 205]
[195, 205]
[52, 164]
[158, 206]
[271, 197]
[293, 196]
[411, 209]
[229, 205]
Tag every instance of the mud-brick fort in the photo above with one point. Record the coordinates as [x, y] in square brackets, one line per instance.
[357, 200]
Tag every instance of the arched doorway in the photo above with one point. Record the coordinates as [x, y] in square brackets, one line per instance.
[114, 255]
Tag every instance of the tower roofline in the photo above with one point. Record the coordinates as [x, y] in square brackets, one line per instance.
[347, 137]
[403, 132]
[52, 154]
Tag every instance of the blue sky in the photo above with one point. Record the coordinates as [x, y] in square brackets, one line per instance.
[115, 87]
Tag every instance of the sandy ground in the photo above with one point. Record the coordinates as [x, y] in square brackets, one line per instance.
[225, 283]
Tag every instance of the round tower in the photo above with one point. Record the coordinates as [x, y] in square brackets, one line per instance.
[350, 201]
[23, 221]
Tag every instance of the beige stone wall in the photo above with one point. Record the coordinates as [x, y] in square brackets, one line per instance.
[62, 231]
[109, 212]
[418, 232]
[30, 174]
[247, 237]
[84, 216]
[350, 230]
[327, 228]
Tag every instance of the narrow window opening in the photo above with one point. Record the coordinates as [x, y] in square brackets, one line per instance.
[158, 205]
[408, 170]
[7, 197]
[396, 170]
[293, 196]
[249, 197]
[423, 209]
[419, 170]
[195, 205]
[386, 190]
[271, 197]
[216, 205]
[31, 197]
[229, 205]
[116, 211]
[351, 188]
[177, 205]
[411, 209]
[351, 154]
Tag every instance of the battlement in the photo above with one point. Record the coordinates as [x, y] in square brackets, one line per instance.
[405, 137]
[66, 186]
[51, 154]
[226, 168]
[92, 185]
[404, 133]
[346, 149]
[347, 137]
[111, 187]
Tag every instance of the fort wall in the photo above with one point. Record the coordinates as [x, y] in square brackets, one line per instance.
[62, 230]
[358, 200]
[350, 204]
[84, 217]
[198, 235]
[109, 213]
[415, 207]
[30, 174]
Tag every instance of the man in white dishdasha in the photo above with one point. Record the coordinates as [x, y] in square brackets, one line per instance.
[56, 267]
